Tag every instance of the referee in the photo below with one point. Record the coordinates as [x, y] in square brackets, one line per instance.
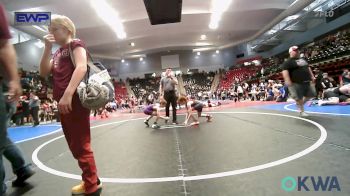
[299, 78]
[167, 91]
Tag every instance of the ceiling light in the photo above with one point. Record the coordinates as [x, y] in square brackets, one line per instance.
[217, 51]
[213, 25]
[218, 8]
[203, 37]
[198, 53]
[203, 49]
[203, 44]
[109, 16]
[132, 44]
[141, 59]
[123, 60]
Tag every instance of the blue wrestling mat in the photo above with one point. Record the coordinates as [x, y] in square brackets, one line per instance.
[25, 133]
[337, 110]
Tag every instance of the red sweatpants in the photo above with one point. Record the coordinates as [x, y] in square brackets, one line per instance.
[76, 128]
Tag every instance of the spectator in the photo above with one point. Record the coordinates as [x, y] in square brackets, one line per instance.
[26, 110]
[75, 119]
[327, 82]
[254, 92]
[345, 77]
[34, 106]
[318, 83]
[283, 94]
[298, 76]
[9, 71]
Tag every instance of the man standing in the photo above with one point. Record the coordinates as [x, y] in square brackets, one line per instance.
[34, 104]
[298, 76]
[8, 67]
[167, 91]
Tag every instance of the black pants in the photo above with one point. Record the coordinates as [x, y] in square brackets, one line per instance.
[35, 113]
[170, 98]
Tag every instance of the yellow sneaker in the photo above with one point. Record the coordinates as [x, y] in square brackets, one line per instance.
[80, 188]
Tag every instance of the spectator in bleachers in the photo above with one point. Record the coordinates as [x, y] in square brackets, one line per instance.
[283, 94]
[150, 98]
[345, 77]
[133, 104]
[269, 94]
[239, 92]
[327, 82]
[254, 92]
[34, 106]
[26, 110]
[198, 83]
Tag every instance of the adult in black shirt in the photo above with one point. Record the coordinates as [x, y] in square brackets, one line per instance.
[298, 76]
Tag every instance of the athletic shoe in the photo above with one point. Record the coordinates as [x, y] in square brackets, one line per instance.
[166, 119]
[209, 118]
[303, 114]
[175, 123]
[194, 123]
[80, 189]
[155, 126]
[22, 176]
[146, 122]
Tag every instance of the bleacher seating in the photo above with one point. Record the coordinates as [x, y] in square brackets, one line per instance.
[143, 87]
[239, 74]
[120, 90]
[198, 82]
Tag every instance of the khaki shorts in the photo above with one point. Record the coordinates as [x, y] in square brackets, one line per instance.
[300, 90]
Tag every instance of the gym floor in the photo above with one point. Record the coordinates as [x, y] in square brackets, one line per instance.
[247, 150]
